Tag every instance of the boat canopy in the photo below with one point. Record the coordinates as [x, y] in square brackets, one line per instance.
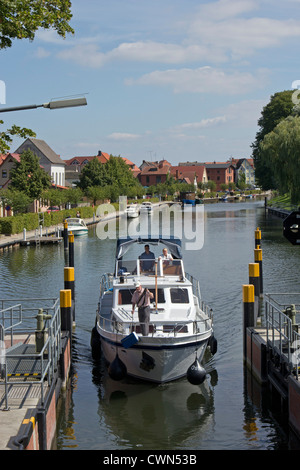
[173, 244]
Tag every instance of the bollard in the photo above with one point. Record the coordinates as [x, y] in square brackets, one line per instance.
[66, 310]
[24, 234]
[69, 283]
[254, 277]
[69, 280]
[40, 333]
[248, 312]
[65, 235]
[258, 259]
[257, 238]
[254, 280]
[71, 250]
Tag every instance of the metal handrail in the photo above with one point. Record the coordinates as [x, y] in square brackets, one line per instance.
[282, 334]
[49, 355]
[113, 326]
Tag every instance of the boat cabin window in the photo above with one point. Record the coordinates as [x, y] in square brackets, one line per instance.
[125, 295]
[179, 295]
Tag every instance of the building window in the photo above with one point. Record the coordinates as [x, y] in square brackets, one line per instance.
[4, 173]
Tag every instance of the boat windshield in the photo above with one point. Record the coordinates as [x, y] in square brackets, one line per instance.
[124, 296]
[76, 222]
[149, 267]
[172, 268]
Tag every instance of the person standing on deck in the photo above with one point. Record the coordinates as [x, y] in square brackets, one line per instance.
[141, 297]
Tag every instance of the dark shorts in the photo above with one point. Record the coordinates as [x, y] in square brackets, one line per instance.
[144, 317]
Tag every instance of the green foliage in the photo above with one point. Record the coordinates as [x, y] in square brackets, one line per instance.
[6, 136]
[112, 179]
[16, 224]
[21, 19]
[18, 200]
[279, 107]
[28, 176]
[281, 150]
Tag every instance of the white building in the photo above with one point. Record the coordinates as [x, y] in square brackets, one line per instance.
[49, 160]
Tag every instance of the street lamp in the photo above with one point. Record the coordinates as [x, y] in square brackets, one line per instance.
[68, 103]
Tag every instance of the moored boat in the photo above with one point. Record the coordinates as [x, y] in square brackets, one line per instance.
[77, 226]
[147, 207]
[180, 326]
[132, 210]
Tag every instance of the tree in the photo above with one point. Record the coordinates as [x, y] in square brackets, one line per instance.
[28, 176]
[281, 149]
[18, 200]
[6, 139]
[91, 175]
[55, 196]
[21, 19]
[115, 173]
[279, 107]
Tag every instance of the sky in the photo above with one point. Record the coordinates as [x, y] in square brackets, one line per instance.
[181, 80]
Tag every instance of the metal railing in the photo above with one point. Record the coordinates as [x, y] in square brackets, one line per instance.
[171, 328]
[19, 321]
[282, 327]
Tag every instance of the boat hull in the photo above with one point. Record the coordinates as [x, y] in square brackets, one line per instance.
[78, 232]
[155, 359]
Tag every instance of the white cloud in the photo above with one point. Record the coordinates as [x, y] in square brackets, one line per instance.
[204, 80]
[123, 136]
[209, 122]
[219, 25]
[216, 32]
[42, 53]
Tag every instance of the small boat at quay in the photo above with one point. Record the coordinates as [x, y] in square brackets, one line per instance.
[132, 210]
[77, 226]
[180, 326]
[147, 207]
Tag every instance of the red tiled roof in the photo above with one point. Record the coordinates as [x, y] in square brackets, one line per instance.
[103, 158]
[3, 157]
[183, 171]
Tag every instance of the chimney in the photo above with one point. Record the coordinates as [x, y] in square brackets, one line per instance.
[99, 153]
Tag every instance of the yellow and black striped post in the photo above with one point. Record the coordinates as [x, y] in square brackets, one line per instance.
[254, 280]
[65, 235]
[257, 238]
[66, 310]
[71, 250]
[258, 259]
[69, 280]
[69, 283]
[254, 277]
[248, 312]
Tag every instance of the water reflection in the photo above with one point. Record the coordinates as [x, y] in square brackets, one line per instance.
[145, 416]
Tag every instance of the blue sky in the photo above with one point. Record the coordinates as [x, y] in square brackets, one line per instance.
[181, 80]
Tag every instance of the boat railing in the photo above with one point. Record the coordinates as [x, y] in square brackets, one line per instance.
[167, 327]
[106, 283]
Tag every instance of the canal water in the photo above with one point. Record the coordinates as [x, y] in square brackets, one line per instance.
[230, 411]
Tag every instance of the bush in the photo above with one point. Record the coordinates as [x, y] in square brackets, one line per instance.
[16, 224]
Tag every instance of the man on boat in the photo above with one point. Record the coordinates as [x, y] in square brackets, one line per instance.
[141, 297]
[149, 257]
